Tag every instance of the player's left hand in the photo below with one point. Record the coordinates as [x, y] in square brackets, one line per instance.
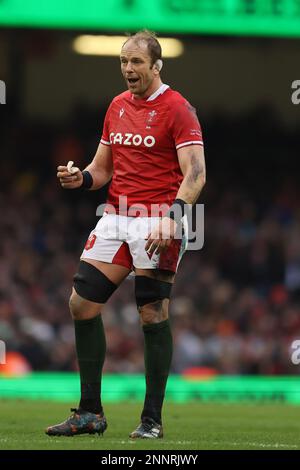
[161, 236]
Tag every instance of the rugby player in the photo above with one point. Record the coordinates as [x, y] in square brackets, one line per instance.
[152, 151]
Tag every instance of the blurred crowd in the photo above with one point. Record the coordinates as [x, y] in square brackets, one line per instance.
[235, 307]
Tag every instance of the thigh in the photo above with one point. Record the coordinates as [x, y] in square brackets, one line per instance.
[165, 262]
[106, 244]
[116, 273]
[159, 274]
[82, 308]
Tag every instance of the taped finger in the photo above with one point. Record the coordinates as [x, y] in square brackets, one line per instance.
[72, 169]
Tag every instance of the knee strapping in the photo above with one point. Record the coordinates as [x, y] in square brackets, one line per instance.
[92, 284]
[148, 290]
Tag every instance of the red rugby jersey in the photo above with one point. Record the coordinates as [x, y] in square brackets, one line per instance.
[144, 135]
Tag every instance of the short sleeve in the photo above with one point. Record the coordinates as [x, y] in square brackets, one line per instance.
[184, 124]
[105, 133]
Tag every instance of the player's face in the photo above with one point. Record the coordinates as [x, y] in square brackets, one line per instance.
[136, 68]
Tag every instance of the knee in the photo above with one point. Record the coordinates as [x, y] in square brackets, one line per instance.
[154, 312]
[75, 306]
[152, 298]
[91, 289]
[82, 309]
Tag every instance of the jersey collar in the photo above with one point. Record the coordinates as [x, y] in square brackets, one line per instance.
[158, 92]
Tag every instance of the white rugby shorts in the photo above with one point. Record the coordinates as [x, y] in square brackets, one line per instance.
[118, 239]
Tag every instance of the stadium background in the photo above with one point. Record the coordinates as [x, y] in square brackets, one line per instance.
[236, 303]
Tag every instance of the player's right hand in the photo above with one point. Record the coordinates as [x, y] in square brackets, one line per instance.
[68, 179]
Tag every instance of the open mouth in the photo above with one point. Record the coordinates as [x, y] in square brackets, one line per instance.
[132, 81]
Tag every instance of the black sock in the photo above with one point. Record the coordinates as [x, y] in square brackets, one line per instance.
[158, 356]
[90, 347]
[90, 398]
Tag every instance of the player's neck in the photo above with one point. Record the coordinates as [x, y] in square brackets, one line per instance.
[156, 84]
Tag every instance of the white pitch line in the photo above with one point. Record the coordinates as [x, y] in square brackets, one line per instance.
[256, 444]
[167, 442]
[233, 444]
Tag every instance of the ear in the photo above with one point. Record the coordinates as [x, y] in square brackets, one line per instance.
[158, 65]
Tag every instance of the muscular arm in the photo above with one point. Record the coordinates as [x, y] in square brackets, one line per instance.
[101, 167]
[192, 164]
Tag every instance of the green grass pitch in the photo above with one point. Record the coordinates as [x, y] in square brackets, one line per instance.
[187, 426]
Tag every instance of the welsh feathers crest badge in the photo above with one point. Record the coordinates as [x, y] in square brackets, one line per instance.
[150, 118]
